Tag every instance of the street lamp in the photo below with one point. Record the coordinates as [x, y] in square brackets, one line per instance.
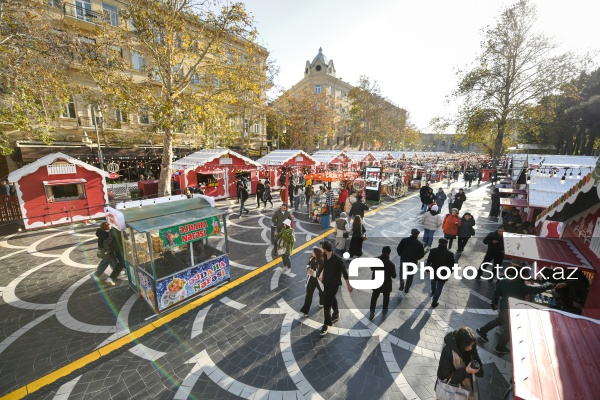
[95, 109]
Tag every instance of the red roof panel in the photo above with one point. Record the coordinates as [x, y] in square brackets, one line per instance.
[555, 355]
[546, 252]
[514, 202]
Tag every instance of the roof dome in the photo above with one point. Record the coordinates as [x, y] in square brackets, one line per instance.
[318, 57]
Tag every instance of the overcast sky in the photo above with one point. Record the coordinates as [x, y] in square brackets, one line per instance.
[411, 47]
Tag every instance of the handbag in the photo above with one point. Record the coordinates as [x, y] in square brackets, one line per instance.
[281, 250]
[445, 391]
[103, 254]
[364, 234]
[345, 235]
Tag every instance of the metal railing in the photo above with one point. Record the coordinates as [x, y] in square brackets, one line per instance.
[82, 13]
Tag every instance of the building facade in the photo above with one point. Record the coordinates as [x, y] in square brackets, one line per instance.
[76, 127]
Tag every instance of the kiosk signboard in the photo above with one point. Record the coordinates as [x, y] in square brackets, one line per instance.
[189, 232]
[188, 283]
[373, 186]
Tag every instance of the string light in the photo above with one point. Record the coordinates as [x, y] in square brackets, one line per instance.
[562, 180]
[579, 174]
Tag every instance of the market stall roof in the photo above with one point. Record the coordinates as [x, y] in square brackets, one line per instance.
[327, 156]
[202, 157]
[545, 189]
[380, 155]
[581, 196]
[169, 214]
[555, 355]
[359, 156]
[545, 251]
[47, 160]
[512, 191]
[514, 202]
[280, 157]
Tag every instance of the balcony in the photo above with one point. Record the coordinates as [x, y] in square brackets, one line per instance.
[82, 17]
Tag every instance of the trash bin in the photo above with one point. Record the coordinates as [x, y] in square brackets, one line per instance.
[136, 194]
[325, 220]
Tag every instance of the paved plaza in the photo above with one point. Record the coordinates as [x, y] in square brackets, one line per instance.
[249, 341]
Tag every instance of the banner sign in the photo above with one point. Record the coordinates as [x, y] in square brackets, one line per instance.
[195, 280]
[115, 218]
[189, 232]
[146, 288]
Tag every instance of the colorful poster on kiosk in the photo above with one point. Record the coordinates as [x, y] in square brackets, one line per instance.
[176, 236]
[185, 284]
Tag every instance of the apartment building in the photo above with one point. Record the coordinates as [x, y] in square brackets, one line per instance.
[76, 130]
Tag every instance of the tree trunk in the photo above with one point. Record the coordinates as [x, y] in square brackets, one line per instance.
[499, 139]
[166, 170]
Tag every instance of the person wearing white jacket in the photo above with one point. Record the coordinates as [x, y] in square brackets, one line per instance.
[342, 231]
[431, 220]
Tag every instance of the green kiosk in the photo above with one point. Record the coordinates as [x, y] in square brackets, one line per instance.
[171, 249]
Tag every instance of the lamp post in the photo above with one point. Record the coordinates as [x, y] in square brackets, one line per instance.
[95, 109]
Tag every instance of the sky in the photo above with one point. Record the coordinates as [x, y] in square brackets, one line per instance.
[412, 48]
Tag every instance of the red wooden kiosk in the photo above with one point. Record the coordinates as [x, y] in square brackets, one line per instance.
[331, 160]
[59, 189]
[294, 161]
[215, 171]
[362, 159]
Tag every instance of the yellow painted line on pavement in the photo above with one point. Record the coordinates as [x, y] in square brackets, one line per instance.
[163, 320]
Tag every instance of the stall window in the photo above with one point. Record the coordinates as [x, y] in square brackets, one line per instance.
[72, 191]
[207, 180]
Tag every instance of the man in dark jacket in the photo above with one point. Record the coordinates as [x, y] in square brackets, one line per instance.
[495, 208]
[389, 270]
[439, 257]
[107, 245]
[513, 221]
[260, 190]
[410, 250]
[440, 198]
[423, 193]
[494, 253]
[358, 208]
[243, 192]
[333, 270]
[509, 288]
[459, 199]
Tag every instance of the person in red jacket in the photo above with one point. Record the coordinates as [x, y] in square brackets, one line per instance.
[342, 198]
[450, 226]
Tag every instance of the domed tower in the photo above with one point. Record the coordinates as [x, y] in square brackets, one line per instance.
[320, 65]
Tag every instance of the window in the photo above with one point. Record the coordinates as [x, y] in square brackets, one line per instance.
[144, 119]
[232, 124]
[329, 91]
[317, 89]
[178, 71]
[88, 47]
[70, 109]
[339, 94]
[65, 192]
[195, 79]
[111, 14]
[83, 10]
[95, 118]
[121, 116]
[138, 61]
[246, 125]
[256, 128]
[55, 3]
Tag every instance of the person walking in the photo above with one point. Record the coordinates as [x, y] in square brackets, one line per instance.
[260, 192]
[389, 273]
[465, 231]
[342, 198]
[495, 208]
[505, 289]
[277, 219]
[451, 199]
[243, 193]
[297, 191]
[422, 192]
[358, 230]
[431, 221]
[333, 270]
[458, 357]
[287, 238]
[358, 208]
[479, 177]
[342, 232]
[428, 199]
[410, 250]
[450, 226]
[495, 250]
[459, 199]
[313, 270]
[267, 196]
[107, 249]
[440, 198]
[310, 194]
[439, 257]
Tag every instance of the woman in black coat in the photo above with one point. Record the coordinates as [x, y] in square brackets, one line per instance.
[460, 348]
[313, 270]
[465, 231]
[357, 240]
[495, 210]
[459, 199]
